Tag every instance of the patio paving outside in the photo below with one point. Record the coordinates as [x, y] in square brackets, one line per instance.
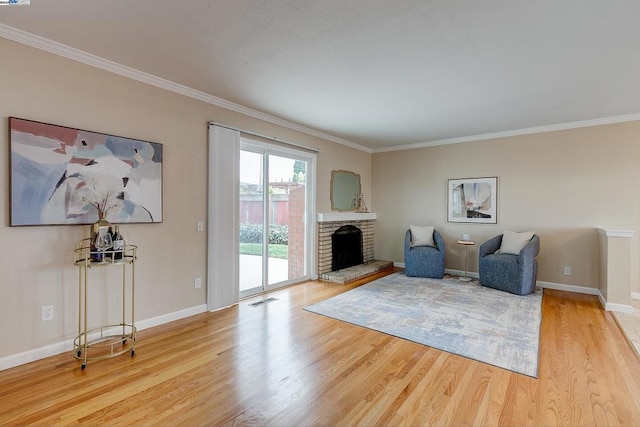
[251, 271]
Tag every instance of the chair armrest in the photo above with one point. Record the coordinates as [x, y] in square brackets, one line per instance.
[407, 241]
[439, 241]
[490, 246]
[530, 250]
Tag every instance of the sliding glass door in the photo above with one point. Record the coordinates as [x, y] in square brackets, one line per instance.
[276, 198]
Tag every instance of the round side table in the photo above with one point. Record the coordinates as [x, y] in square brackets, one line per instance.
[466, 244]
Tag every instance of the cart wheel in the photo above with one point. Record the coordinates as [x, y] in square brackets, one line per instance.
[124, 341]
[79, 353]
[84, 365]
[133, 352]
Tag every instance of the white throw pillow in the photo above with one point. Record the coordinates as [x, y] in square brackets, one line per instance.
[421, 235]
[512, 242]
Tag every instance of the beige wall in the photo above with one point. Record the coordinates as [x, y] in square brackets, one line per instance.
[36, 262]
[560, 184]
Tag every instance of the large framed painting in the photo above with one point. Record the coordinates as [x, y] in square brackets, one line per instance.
[62, 175]
[473, 200]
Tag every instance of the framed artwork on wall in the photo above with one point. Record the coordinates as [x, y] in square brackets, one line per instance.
[62, 175]
[473, 200]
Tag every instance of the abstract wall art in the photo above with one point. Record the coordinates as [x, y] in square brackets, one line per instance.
[62, 175]
[473, 200]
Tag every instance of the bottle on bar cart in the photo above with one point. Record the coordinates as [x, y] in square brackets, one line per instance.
[118, 244]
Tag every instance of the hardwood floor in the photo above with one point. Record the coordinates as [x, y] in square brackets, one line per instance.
[279, 365]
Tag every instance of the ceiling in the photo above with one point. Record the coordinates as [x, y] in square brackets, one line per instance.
[381, 74]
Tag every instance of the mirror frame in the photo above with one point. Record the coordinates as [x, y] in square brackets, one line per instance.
[342, 183]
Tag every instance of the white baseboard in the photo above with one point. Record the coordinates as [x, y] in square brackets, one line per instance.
[35, 354]
[170, 317]
[398, 264]
[461, 273]
[569, 288]
[611, 306]
[635, 295]
[603, 301]
[67, 345]
[608, 306]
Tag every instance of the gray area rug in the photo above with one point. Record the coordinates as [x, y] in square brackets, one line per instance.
[480, 323]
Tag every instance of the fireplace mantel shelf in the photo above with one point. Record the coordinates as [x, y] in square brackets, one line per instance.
[345, 216]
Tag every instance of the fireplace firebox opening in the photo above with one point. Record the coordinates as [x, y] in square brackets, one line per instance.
[346, 247]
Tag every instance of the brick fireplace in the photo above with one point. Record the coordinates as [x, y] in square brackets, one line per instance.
[330, 222]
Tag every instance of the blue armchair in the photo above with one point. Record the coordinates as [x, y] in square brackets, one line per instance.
[424, 261]
[506, 272]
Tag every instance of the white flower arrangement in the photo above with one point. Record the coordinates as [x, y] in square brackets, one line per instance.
[93, 192]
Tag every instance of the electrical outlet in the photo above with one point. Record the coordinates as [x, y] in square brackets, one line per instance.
[197, 283]
[47, 313]
[567, 271]
[200, 225]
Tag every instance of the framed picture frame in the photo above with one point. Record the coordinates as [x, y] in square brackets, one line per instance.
[61, 176]
[473, 200]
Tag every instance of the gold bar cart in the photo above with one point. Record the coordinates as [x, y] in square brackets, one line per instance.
[109, 340]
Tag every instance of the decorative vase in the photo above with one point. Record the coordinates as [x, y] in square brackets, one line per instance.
[358, 204]
[100, 238]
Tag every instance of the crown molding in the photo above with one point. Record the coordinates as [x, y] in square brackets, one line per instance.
[69, 52]
[517, 132]
[65, 51]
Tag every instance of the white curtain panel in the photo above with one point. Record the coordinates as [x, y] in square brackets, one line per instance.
[223, 211]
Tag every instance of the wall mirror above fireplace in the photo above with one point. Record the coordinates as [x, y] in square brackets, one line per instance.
[345, 186]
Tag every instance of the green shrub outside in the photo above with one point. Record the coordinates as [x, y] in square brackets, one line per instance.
[252, 233]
